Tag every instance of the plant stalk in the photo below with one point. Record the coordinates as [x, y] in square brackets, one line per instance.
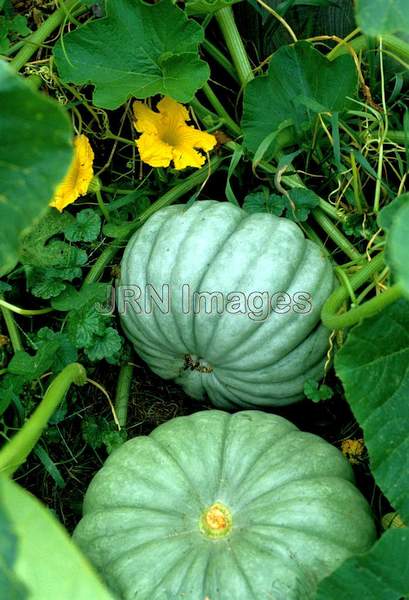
[122, 393]
[329, 315]
[34, 41]
[16, 451]
[220, 110]
[227, 24]
[335, 234]
[12, 330]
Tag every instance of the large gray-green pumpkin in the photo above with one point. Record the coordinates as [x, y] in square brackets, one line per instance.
[233, 352]
[223, 507]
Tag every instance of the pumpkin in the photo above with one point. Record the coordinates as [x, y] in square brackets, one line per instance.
[223, 507]
[226, 303]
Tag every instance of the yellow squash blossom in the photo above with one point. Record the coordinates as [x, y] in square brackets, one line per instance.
[166, 137]
[78, 177]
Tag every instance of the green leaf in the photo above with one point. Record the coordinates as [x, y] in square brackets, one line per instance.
[71, 299]
[10, 585]
[32, 367]
[98, 432]
[300, 82]
[377, 17]
[262, 201]
[48, 288]
[19, 25]
[85, 228]
[387, 215]
[205, 7]
[10, 388]
[382, 573]
[397, 247]
[47, 562]
[138, 50]
[302, 202]
[316, 392]
[373, 367]
[84, 324]
[296, 207]
[35, 153]
[104, 346]
[66, 353]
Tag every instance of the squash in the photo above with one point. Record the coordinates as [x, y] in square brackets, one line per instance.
[226, 303]
[224, 507]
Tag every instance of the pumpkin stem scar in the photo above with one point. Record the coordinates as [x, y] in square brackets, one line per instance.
[195, 363]
[216, 521]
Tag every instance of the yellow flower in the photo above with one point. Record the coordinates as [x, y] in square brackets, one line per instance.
[78, 177]
[166, 137]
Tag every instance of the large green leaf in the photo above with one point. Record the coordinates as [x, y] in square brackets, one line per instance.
[41, 554]
[377, 17]
[205, 7]
[137, 50]
[35, 153]
[380, 574]
[397, 244]
[373, 367]
[300, 83]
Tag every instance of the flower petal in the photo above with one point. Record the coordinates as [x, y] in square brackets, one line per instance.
[196, 138]
[153, 151]
[146, 120]
[175, 113]
[78, 176]
[187, 157]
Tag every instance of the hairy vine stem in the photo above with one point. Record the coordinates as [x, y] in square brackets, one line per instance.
[34, 41]
[15, 452]
[227, 24]
[329, 315]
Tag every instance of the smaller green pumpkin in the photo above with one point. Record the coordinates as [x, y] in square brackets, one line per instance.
[225, 507]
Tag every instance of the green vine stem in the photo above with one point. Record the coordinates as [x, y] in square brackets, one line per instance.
[220, 58]
[391, 43]
[227, 24]
[197, 178]
[123, 389]
[25, 312]
[15, 452]
[220, 110]
[329, 315]
[34, 41]
[12, 330]
[335, 234]
[398, 137]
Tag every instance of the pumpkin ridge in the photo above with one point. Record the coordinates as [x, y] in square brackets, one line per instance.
[126, 277]
[239, 376]
[265, 392]
[243, 278]
[243, 573]
[148, 268]
[307, 534]
[205, 273]
[189, 233]
[289, 323]
[279, 544]
[261, 455]
[170, 570]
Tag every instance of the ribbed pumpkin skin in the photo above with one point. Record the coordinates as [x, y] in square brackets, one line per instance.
[296, 514]
[217, 247]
